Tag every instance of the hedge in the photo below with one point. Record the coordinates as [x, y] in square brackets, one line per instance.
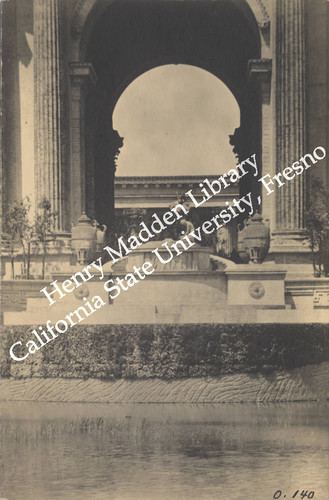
[167, 351]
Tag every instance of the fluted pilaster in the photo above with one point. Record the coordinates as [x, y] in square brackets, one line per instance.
[260, 72]
[290, 111]
[48, 99]
[82, 76]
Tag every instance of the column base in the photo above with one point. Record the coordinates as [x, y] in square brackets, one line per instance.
[290, 247]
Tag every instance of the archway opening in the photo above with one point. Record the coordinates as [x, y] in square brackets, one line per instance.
[124, 44]
[176, 121]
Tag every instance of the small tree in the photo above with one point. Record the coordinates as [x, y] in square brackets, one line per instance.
[26, 245]
[9, 235]
[43, 226]
[25, 234]
[317, 227]
[17, 230]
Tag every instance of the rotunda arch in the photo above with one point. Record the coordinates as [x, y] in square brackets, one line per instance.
[119, 44]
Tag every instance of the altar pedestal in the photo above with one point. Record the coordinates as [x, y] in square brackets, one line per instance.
[256, 285]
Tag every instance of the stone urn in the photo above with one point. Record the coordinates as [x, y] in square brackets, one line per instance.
[257, 239]
[83, 238]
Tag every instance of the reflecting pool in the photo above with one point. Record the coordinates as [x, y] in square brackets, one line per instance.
[68, 451]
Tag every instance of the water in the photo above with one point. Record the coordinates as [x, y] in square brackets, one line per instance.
[54, 451]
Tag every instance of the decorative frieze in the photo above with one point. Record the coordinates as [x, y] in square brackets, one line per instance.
[321, 299]
[264, 19]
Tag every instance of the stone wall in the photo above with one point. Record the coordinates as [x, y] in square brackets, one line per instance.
[309, 383]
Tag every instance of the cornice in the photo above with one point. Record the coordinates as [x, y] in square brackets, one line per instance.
[184, 179]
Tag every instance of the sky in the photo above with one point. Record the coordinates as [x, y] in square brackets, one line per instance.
[175, 120]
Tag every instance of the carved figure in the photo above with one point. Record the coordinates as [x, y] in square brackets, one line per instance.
[187, 225]
[100, 232]
[182, 222]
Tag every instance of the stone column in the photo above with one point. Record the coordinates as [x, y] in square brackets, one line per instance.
[290, 122]
[81, 75]
[107, 148]
[259, 72]
[48, 107]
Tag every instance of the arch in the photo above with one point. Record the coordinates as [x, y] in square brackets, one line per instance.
[220, 37]
[156, 64]
[193, 139]
[87, 12]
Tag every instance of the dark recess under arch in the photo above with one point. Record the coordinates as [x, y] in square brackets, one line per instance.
[130, 38]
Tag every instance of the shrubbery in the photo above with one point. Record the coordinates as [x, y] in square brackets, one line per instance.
[167, 351]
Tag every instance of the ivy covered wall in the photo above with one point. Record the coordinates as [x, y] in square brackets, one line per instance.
[167, 351]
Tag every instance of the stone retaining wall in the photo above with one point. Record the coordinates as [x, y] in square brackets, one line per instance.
[308, 383]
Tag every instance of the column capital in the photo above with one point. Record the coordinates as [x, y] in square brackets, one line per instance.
[116, 143]
[259, 69]
[83, 72]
